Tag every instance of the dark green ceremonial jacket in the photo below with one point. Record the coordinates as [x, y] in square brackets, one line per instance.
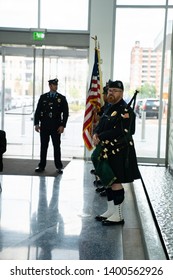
[115, 130]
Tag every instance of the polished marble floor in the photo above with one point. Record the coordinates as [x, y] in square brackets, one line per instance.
[158, 183]
[53, 218]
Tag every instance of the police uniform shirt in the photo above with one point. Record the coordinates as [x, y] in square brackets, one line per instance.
[51, 112]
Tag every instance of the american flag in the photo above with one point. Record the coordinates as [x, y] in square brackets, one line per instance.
[93, 103]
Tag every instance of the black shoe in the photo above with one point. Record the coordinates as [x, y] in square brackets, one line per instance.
[112, 223]
[59, 171]
[100, 189]
[100, 218]
[39, 169]
[92, 171]
[97, 183]
[103, 193]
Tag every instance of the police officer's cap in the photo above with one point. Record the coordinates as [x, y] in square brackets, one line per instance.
[53, 82]
[116, 84]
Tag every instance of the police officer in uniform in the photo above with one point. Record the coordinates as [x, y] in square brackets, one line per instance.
[50, 119]
[3, 148]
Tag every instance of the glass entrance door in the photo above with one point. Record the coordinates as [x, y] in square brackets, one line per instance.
[25, 75]
[17, 99]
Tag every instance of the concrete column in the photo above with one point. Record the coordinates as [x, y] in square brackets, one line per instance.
[102, 24]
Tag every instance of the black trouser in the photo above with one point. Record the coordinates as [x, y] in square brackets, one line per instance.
[1, 162]
[56, 141]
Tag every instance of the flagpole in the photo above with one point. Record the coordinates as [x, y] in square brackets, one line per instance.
[100, 73]
[95, 39]
[97, 47]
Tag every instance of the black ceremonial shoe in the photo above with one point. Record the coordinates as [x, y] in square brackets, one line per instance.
[103, 193]
[112, 223]
[100, 189]
[100, 218]
[97, 183]
[39, 169]
[59, 171]
[92, 171]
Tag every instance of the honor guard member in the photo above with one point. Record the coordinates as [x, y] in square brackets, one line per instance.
[50, 119]
[100, 188]
[3, 148]
[114, 157]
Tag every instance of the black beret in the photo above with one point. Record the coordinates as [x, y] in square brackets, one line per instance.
[53, 82]
[116, 84]
[105, 90]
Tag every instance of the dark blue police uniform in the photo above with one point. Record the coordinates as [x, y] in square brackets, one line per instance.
[52, 112]
[3, 147]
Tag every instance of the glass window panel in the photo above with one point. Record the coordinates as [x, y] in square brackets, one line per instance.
[142, 31]
[66, 14]
[1, 91]
[170, 145]
[167, 73]
[17, 13]
[18, 102]
[170, 2]
[141, 2]
[138, 57]
[18, 71]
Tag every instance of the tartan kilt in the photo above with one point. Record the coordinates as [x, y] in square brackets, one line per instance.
[121, 167]
[102, 167]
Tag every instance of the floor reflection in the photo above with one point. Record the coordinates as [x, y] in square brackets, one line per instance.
[52, 218]
[47, 222]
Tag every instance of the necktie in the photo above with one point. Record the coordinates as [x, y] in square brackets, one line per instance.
[52, 94]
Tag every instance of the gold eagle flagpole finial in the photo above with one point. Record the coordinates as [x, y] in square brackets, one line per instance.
[95, 39]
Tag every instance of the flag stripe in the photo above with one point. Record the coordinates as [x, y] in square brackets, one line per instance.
[93, 102]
